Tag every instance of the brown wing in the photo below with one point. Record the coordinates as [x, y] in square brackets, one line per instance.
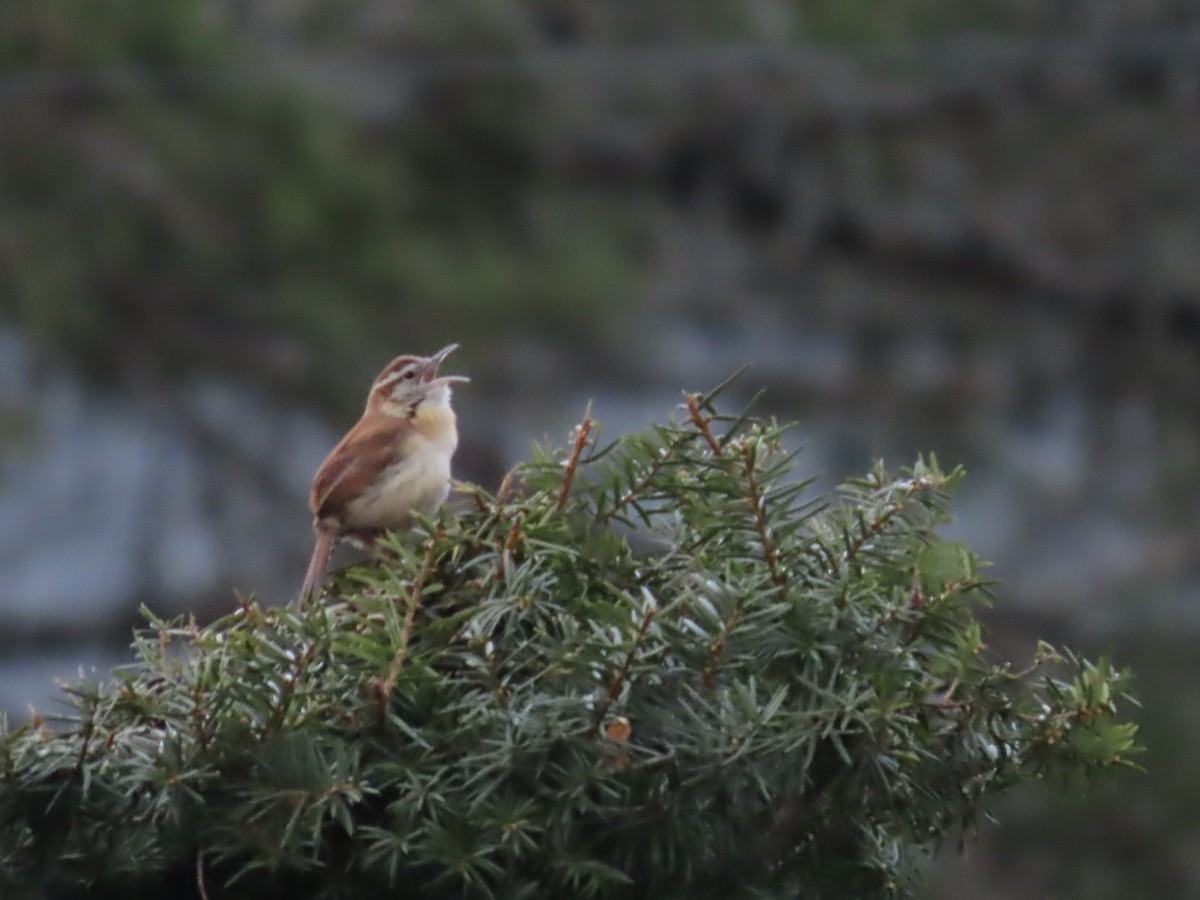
[367, 450]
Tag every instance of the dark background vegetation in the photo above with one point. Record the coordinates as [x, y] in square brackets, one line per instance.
[966, 227]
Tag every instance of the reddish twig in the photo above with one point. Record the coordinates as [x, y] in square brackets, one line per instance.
[718, 648]
[701, 422]
[288, 693]
[504, 493]
[614, 687]
[945, 701]
[667, 455]
[201, 888]
[582, 430]
[414, 599]
[884, 520]
[385, 687]
[510, 543]
[770, 557]
[758, 503]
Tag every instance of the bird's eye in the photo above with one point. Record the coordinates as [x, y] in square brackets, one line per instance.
[409, 375]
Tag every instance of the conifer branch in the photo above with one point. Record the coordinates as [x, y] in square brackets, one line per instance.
[701, 422]
[414, 598]
[384, 687]
[288, 692]
[89, 728]
[582, 430]
[199, 731]
[510, 544]
[618, 679]
[504, 492]
[758, 504]
[914, 487]
[667, 455]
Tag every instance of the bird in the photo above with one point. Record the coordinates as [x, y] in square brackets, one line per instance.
[392, 465]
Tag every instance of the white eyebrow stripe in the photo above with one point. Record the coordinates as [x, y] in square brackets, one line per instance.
[395, 376]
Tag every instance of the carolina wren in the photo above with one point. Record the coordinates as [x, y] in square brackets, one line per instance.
[393, 463]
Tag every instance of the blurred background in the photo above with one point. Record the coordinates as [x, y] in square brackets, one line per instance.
[970, 227]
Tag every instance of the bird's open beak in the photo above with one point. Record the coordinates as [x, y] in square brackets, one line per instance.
[431, 367]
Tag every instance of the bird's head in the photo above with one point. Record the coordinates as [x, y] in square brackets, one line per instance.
[408, 382]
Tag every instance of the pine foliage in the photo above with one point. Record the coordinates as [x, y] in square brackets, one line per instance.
[652, 669]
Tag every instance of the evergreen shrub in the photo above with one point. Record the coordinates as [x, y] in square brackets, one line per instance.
[657, 668]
